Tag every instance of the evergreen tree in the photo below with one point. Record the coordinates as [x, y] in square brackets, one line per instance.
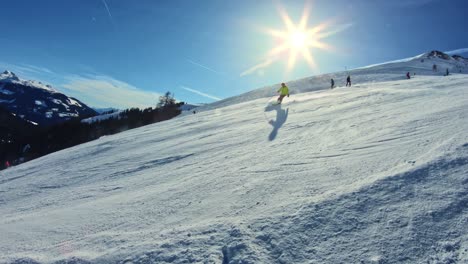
[167, 100]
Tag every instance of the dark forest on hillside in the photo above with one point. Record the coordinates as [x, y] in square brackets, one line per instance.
[20, 141]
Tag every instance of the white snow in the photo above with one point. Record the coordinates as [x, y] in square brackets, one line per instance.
[418, 57]
[39, 85]
[7, 101]
[10, 77]
[101, 117]
[58, 101]
[5, 91]
[188, 107]
[73, 102]
[34, 123]
[391, 71]
[68, 114]
[376, 173]
[40, 103]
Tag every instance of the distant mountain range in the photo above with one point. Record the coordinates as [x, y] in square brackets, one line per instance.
[37, 103]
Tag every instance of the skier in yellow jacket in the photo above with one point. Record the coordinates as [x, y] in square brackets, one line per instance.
[283, 91]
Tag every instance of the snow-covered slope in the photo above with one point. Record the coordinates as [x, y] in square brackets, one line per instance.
[376, 173]
[188, 107]
[102, 117]
[38, 103]
[388, 71]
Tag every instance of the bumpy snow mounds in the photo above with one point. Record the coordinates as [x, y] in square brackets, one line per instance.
[376, 173]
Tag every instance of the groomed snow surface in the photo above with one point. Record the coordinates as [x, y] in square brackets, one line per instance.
[376, 173]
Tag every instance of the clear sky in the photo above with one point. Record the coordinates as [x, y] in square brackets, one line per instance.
[121, 53]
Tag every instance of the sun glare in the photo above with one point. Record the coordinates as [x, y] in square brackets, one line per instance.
[298, 40]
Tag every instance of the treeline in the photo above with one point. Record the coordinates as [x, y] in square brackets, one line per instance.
[74, 132]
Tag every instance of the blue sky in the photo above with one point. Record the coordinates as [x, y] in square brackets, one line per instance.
[120, 53]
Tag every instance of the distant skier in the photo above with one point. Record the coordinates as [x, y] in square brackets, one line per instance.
[348, 81]
[332, 83]
[408, 76]
[447, 72]
[434, 68]
[7, 164]
[283, 91]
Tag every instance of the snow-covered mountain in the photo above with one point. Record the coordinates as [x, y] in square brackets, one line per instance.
[375, 173]
[38, 103]
[388, 71]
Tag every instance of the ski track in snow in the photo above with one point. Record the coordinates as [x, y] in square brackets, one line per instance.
[371, 174]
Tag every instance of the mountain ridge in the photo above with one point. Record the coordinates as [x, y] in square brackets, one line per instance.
[39, 103]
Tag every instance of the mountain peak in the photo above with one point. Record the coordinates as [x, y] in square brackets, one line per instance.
[37, 102]
[9, 76]
[459, 57]
[438, 54]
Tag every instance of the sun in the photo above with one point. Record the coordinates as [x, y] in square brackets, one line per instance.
[298, 39]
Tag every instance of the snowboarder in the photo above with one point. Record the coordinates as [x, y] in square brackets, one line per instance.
[283, 91]
[408, 75]
[332, 84]
[348, 81]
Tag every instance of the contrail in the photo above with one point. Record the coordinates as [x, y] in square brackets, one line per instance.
[336, 30]
[108, 11]
[257, 67]
[204, 67]
[200, 93]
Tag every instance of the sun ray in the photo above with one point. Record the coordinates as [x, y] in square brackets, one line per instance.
[305, 17]
[309, 59]
[317, 29]
[333, 32]
[287, 20]
[321, 45]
